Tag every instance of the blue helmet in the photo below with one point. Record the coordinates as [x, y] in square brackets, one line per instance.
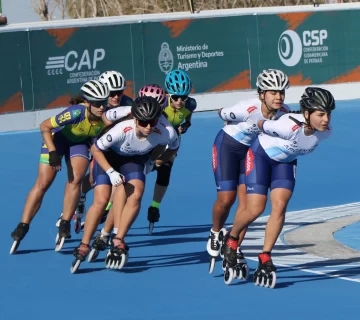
[178, 82]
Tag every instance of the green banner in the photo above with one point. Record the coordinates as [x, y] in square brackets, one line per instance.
[310, 47]
[64, 59]
[44, 68]
[16, 88]
[211, 51]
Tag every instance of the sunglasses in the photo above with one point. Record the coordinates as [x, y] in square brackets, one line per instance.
[176, 97]
[144, 124]
[116, 93]
[98, 104]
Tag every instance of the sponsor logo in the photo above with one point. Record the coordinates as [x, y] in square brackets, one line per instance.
[249, 162]
[311, 46]
[251, 109]
[127, 129]
[78, 67]
[295, 127]
[109, 138]
[214, 158]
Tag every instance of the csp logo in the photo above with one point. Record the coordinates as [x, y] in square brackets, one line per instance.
[290, 48]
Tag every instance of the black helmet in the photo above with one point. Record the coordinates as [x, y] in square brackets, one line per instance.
[317, 99]
[146, 108]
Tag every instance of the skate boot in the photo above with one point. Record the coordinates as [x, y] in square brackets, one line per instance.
[242, 269]
[80, 254]
[118, 255]
[63, 233]
[230, 259]
[213, 247]
[100, 244]
[79, 215]
[18, 234]
[58, 221]
[265, 275]
[153, 216]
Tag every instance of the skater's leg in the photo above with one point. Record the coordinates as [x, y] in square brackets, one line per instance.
[163, 167]
[102, 194]
[114, 216]
[77, 167]
[134, 191]
[46, 176]
[279, 200]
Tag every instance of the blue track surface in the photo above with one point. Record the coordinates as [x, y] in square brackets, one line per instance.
[349, 236]
[167, 274]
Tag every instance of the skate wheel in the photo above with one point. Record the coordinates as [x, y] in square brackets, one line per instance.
[93, 255]
[256, 278]
[212, 265]
[118, 263]
[222, 234]
[228, 275]
[272, 280]
[76, 266]
[14, 246]
[263, 281]
[77, 226]
[107, 260]
[223, 265]
[244, 272]
[151, 227]
[123, 261]
[58, 222]
[59, 243]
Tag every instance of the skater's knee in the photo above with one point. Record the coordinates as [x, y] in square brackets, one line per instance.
[278, 207]
[42, 185]
[100, 202]
[136, 196]
[163, 174]
[226, 200]
[76, 180]
[254, 212]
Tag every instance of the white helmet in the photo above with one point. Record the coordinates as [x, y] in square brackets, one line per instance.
[114, 80]
[95, 90]
[272, 79]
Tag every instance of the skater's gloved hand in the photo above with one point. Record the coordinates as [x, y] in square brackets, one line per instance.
[116, 178]
[183, 128]
[55, 160]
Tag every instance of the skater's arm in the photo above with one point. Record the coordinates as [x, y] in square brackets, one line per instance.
[45, 128]
[157, 152]
[100, 158]
[116, 178]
